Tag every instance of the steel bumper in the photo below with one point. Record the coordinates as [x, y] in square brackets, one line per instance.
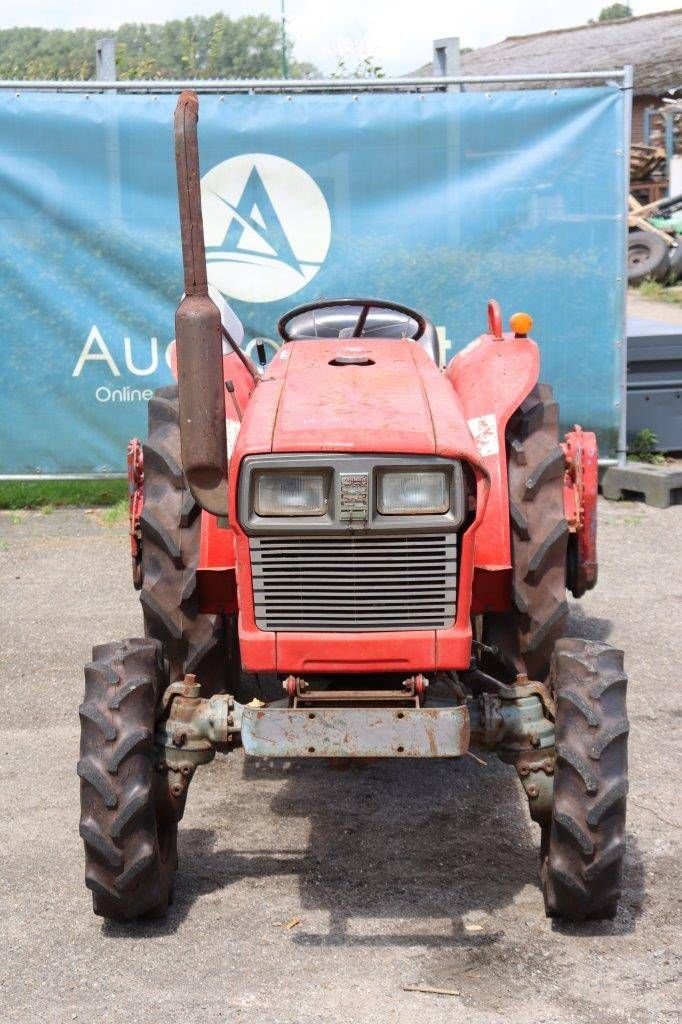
[355, 732]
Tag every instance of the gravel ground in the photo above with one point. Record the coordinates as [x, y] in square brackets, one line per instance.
[653, 309]
[398, 873]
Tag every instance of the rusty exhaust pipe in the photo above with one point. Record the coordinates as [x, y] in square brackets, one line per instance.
[198, 333]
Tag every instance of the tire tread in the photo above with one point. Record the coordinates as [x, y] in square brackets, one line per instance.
[171, 531]
[125, 868]
[539, 538]
[584, 843]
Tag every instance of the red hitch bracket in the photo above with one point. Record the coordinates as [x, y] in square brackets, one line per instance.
[135, 459]
[581, 486]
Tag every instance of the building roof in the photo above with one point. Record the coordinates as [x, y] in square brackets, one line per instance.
[652, 43]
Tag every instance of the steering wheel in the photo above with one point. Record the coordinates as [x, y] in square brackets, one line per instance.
[365, 306]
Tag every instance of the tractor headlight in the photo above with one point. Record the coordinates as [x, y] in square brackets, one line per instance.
[291, 493]
[414, 492]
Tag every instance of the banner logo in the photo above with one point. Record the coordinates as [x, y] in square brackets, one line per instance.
[267, 227]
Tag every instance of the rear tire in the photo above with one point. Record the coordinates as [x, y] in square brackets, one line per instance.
[170, 526]
[127, 824]
[584, 843]
[648, 257]
[675, 258]
[539, 539]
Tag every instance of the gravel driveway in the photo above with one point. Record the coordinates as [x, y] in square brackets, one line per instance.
[313, 895]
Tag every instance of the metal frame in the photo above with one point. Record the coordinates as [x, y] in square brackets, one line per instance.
[623, 77]
[287, 85]
[622, 344]
[63, 476]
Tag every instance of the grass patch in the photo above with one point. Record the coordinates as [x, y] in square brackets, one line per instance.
[644, 448]
[50, 494]
[115, 514]
[656, 290]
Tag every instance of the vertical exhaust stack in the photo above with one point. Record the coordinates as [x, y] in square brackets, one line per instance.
[198, 333]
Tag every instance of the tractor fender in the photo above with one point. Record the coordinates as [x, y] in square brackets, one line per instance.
[492, 376]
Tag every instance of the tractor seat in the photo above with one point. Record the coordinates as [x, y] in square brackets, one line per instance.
[339, 321]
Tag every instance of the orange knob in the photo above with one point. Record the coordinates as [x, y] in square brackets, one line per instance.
[521, 324]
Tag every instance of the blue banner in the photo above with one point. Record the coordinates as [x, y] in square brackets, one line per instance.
[436, 200]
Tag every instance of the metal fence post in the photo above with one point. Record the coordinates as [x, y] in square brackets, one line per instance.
[446, 58]
[105, 71]
[105, 59]
[622, 346]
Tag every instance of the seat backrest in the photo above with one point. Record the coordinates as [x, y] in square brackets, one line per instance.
[228, 317]
[340, 321]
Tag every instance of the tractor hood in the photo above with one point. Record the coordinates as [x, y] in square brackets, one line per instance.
[355, 395]
[330, 405]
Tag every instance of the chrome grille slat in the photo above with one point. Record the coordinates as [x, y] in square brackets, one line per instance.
[370, 608]
[372, 545]
[346, 590]
[378, 577]
[354, 583]
[381, 557]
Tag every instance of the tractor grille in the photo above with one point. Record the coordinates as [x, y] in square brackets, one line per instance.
[354, 583]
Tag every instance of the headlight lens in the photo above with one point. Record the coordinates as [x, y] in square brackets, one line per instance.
[426, 492]
[294, 493]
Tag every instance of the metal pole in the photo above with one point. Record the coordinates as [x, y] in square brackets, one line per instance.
[285, 63]
[105, 70]
[63, 476]
[446, 58]
[647, 126]
[256, 85]
[622, 345]
[669, 138]
[105, 59]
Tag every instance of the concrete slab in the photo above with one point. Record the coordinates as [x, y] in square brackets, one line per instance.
[660, 486]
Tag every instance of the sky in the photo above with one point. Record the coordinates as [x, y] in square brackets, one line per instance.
[397, 34]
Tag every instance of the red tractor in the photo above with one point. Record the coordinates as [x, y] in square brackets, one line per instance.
[351, 553]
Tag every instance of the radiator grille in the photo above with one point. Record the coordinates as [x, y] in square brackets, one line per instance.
[354, 583]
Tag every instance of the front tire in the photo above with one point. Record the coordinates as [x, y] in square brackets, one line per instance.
[127, 824]
[584, 843]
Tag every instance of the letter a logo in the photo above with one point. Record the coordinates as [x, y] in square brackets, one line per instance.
[267, 227]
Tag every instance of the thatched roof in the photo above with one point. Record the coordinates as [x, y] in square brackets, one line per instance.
[651, 43]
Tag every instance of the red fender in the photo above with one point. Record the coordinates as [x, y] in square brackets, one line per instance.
[492, 376]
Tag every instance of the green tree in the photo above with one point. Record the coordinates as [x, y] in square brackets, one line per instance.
[614, 12]
[198, 47]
